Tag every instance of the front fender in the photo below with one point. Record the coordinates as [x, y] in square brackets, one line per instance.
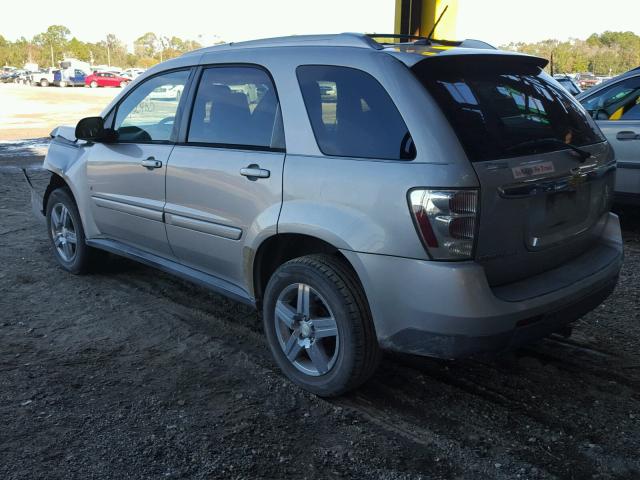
[67, 159]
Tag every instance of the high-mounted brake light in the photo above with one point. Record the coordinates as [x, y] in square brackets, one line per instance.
[446, 221]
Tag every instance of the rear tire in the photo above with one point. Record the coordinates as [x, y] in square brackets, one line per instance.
[67, 234]
[44, 83]
[93, 84]
[63, 84]
[123, 84]
[329, 346]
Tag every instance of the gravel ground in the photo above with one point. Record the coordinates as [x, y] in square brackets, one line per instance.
[130, 373]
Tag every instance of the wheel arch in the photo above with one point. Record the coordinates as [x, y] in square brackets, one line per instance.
[55, 181]
[280, 248]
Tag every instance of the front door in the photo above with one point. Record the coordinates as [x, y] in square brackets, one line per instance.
[225, 183]
[127, 177]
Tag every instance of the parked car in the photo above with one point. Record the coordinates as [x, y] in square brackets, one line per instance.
[106, 79]
[132, 73]
[44, 78]
[9, 77]
[69, 78]
[586, 80]
[445, 202]
[168, 92]
[615, 106]
[568, 83]
[24, 77]
[15, 76]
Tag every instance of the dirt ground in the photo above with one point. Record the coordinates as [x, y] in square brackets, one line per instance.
[130, 373]
[30, 112]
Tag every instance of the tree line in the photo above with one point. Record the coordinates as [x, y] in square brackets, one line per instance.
[606, 54]
[50, 47]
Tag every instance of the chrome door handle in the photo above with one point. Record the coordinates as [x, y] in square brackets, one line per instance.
[151, 163]
[627, 135]
[253, 172]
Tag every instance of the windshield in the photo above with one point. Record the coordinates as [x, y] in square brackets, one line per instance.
[496, 106]
[569, 85]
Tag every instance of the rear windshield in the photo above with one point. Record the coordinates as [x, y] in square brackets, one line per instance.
[502, 110]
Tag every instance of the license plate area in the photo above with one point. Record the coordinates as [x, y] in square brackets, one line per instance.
[558, 216]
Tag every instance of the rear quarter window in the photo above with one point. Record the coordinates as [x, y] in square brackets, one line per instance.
[352, 115]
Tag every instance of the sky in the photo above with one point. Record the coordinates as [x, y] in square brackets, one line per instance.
[495, 21]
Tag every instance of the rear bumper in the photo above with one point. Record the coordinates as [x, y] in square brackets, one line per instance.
[421, 342]
[449, 310]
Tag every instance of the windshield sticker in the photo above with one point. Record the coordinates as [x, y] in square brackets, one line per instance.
[524, 171]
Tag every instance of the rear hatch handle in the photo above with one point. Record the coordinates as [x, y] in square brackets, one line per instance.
[566, 183]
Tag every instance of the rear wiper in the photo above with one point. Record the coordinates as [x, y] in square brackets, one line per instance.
[550, 141]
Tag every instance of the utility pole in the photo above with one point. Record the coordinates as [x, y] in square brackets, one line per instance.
[51, 46]
[108, 52]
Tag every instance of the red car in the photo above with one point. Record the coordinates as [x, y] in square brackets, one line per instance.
[106, 79]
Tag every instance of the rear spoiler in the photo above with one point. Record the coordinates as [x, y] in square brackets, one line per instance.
[480, 59]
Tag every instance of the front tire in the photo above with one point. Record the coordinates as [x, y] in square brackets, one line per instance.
[63, 84]
[93, 84]
[67, 235]
[318, 325]
[44, 83]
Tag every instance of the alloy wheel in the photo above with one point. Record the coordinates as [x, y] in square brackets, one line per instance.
[63, 232]
[306, 329]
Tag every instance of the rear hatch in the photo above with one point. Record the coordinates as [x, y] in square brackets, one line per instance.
[545, 171]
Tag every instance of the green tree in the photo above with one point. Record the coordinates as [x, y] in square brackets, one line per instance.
[608, 53]
[78, 49]
[55, 39]
[146, 45]
[51, 46]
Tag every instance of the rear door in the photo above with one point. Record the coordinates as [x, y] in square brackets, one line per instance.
[616, 110]
[127, 177]
[112, 80]
[541, 201]
[224, 182]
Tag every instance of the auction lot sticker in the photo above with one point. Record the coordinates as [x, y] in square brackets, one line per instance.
[524, 171]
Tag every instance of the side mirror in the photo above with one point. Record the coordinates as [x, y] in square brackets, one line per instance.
[92, 129]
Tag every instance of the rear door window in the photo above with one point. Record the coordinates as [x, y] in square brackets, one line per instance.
[352, 115]
[236, 106]
[502, 109]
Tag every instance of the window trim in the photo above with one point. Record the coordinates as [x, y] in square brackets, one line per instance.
[379, 159]
[186, 123]
[179, 111]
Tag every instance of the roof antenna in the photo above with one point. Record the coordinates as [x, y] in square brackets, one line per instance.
[436, 24]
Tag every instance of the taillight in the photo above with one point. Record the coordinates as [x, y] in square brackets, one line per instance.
[446, 221]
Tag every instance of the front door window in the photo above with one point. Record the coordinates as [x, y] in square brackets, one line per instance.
[148, 113]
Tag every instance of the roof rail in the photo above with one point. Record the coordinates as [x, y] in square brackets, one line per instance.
[399, 36]
[419, 40]
[358, 40]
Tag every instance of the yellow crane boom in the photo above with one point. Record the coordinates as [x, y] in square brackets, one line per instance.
[417, 17]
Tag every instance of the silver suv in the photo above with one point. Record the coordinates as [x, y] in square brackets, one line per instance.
[436, 198]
